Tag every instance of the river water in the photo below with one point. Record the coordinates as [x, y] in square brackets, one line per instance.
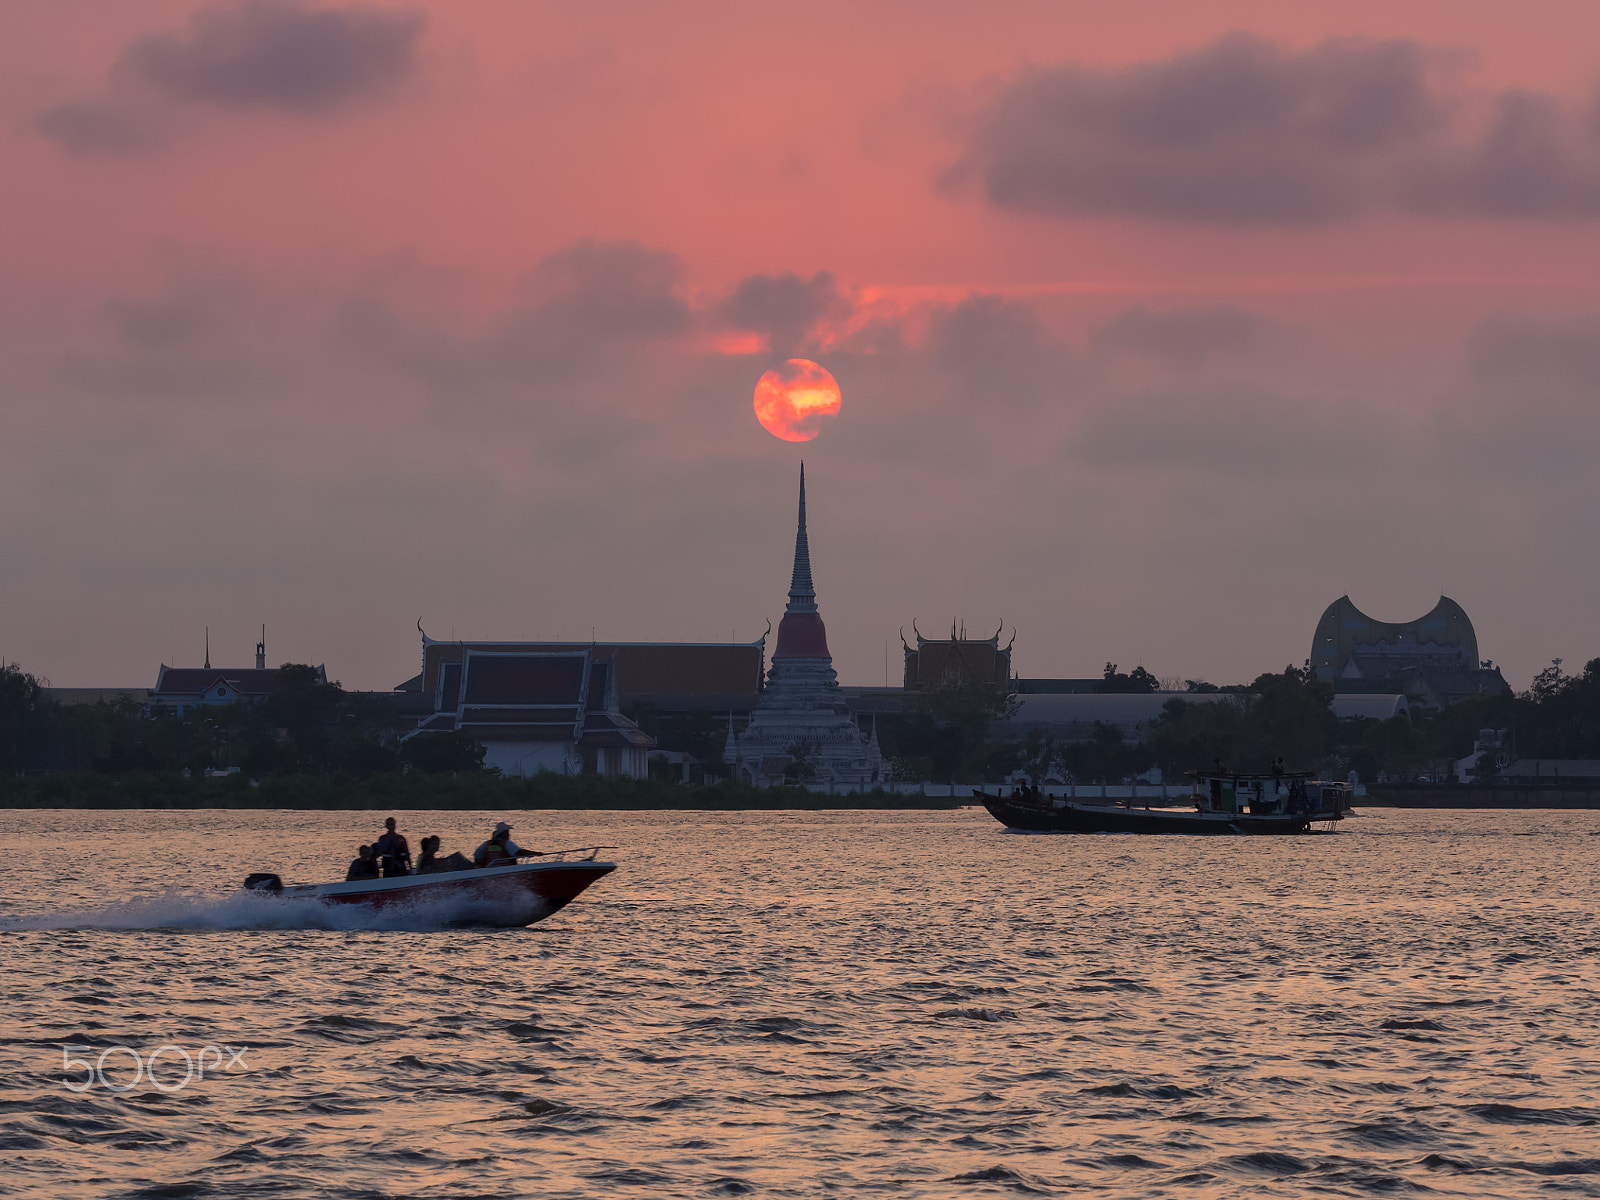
[811, 1004]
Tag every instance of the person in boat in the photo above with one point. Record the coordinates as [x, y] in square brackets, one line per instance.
[499, 850]
[364, 867]
[427, 861]
[1297, 797]
[393, 852]
[430, 862]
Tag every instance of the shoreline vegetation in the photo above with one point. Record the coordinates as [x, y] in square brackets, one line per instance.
[468, 792]
[311, 745]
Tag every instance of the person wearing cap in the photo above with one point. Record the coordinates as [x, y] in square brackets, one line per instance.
[499, 850]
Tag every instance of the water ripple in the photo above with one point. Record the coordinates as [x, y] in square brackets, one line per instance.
[792, 1004]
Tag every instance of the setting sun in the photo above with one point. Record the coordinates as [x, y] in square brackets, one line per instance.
[792, 400]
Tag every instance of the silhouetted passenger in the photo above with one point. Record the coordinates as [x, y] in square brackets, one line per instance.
[392, 851]
[430, 854]
[430, 863]
[365, 865]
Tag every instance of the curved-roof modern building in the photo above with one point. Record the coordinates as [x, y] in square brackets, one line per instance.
[1346, 636]
[1433, 658]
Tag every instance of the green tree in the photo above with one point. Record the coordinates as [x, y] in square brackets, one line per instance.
[1291, 715]
[802, 766]
[1037, 755]
[1106, 757]
[1137, 680]
[1191, 735]
[25, 719]
[443, 752]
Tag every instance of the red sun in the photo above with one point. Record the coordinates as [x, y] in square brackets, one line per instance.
[794, 399]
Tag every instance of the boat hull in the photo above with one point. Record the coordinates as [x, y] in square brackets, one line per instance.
[1074, 817]
[501, 896]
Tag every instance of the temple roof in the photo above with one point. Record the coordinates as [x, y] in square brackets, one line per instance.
[196, 681]
[679, 673]
[563, 696]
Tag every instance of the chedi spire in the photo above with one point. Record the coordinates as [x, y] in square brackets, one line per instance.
[801, 633]
[802, 595]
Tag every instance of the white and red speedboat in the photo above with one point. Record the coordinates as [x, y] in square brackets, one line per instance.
[514, 894]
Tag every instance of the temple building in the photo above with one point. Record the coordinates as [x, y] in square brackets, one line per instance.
[802, 729]
[1433, 659]
[576, 707]
[181, 689]
[536, 710]
[957, 663]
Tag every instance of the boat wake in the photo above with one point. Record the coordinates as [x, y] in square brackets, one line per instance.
[178, 908]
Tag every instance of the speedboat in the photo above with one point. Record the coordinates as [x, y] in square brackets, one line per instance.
[510, 895]
[1224, 802]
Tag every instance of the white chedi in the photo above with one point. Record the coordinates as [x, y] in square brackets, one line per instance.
[802, 724]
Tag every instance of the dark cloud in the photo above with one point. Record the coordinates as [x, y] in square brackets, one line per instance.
[1534, 160]
[279, 54]
[1182, 337]
[993, 341]
[165, 321]
[99, 128]
[610, 290]
[587, 315]
[1526, 415]
[785, 308]
[195, 341]
[1551, 357]
[270, 54]
[1241, 432]
[1245, 131]
[947, 388]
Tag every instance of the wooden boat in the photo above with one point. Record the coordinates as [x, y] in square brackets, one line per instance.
[1224, 802]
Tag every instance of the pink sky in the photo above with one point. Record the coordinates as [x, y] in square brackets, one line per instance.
[1159, 326]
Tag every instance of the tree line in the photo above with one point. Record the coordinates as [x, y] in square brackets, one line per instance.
[1287, 714]
[308, 728]
[304, 727]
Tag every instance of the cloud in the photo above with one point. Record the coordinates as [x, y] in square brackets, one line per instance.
[586, 320]
[99, 128]
[520, 472]
[1245, 131]
[785, 309]
[1526, 414]
[1181, 337]
[280, 55]
[1551, 357]
[274, 55]
[1239, 433]
[1536, 159]
[607, 290]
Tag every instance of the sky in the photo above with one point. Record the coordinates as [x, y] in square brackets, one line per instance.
[1159, 326]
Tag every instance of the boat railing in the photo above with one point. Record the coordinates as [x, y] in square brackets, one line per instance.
[579, 854]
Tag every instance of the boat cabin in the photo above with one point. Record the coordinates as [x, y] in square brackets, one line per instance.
[1272, 792]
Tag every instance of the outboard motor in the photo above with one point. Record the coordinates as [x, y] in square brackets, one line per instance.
[263, 881]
